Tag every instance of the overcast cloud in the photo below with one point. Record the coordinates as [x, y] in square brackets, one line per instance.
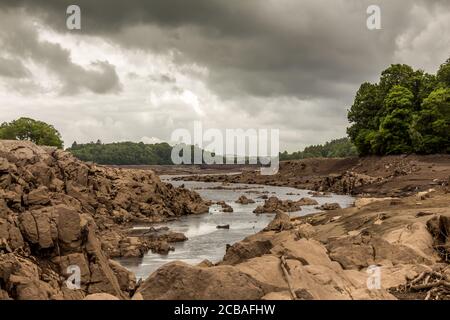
[139, 69]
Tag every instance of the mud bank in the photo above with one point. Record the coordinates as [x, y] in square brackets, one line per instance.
[371, 176]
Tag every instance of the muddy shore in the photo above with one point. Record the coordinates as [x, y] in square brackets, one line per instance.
[371, 176]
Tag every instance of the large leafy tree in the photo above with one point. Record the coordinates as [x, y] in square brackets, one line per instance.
[407, 111]
[36, 131]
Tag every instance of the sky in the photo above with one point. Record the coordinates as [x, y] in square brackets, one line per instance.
[139, 69]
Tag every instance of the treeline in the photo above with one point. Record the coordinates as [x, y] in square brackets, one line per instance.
[338, 148]
[123, 153]
[130, 153]
[407, 111]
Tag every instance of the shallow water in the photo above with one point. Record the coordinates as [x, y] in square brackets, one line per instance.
[208, 242]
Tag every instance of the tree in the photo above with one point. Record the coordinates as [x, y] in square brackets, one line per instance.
[29, 129]
[443, 74]
[338, 148]
[406, 111]
[432, 123]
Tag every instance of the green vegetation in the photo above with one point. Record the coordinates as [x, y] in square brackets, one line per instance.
[408, 111]
[38, 132]
[339, 148]
[123, 153]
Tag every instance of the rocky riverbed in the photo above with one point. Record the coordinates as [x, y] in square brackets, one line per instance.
[394, 243]
[208, 242]
[57, 212]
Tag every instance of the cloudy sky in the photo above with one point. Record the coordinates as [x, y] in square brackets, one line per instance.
[139, 69]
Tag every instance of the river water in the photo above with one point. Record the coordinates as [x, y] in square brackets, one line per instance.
[205, 241]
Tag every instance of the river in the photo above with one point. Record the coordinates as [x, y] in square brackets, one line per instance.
[205, 241]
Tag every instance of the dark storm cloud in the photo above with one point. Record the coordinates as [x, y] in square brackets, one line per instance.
[288, 64]
[265, 48]
[20, 39]
[308, 49]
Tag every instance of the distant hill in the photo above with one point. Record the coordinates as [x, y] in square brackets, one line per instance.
[339, 148]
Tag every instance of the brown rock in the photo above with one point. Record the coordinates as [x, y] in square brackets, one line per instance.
[39, 196]
[244, 200]
[281, 222]
[180, 281]
[245, 250]
[273, 204]
[329, 206]
[100, 296]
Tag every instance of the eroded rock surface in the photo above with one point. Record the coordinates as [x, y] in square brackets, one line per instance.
[58, 213]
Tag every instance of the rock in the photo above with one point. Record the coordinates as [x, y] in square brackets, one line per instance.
[305, 230]
[307, 202]
[329, 206]
[346, 182]
[175, 237]
[180, 281]
[361, 202]
[126, 279]
[39, 196]
[425, 194]
[225, 207]
[281, 222]
[245, 250]
[363, 250]
[37, 228]
[75, 259]
[205, 264]
[162, 247]
[273, 204]
[137, 296]
[439, 227]
[244, 200]
[100, 296]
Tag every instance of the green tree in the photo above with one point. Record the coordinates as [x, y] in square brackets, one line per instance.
[339, 148]
[36, 131]
[406, 111]
[432, 123]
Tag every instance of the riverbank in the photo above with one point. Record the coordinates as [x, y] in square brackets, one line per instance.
[372, 176]
[380, 249]
[393, 244]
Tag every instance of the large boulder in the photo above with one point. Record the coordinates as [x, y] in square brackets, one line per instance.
[180, 281]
